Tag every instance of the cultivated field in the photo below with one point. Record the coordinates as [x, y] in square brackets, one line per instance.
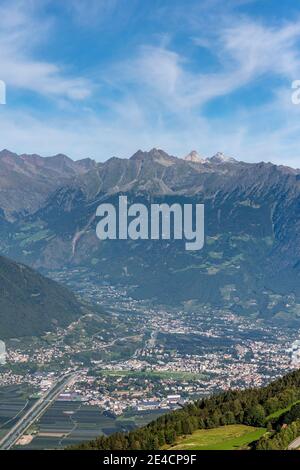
[14, 402]
[67, 423]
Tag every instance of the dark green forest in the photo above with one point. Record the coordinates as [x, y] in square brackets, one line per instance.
[31, 304]
[251, 407]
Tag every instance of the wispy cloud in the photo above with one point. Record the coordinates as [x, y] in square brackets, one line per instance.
[245, 52]
[21, 30]
[256, 48]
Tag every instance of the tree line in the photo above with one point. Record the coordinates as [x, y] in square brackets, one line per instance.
[282, 430]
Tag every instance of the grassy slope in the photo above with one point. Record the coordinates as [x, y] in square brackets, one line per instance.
[278, 413]
[230, 437]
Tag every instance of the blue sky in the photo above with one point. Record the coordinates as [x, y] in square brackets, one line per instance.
[105, 77]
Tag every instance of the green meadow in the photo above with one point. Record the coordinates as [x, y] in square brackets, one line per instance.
[231, 437]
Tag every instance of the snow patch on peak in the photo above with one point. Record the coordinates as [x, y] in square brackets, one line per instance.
[219, 157]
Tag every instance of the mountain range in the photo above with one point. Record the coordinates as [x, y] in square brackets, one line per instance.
[251, 259]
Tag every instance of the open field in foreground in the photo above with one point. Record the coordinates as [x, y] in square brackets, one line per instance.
[230, 437]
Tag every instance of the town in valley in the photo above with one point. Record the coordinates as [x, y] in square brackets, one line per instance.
[133, 360]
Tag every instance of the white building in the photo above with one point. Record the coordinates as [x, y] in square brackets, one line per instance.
[295, 353]
[173, 399]
[2, 353]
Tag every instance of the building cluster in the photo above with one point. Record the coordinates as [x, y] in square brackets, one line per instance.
[140, 357]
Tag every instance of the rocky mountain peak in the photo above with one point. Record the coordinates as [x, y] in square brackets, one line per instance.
[4, 154]
[194, 157]
[155, 155]
[60, 157]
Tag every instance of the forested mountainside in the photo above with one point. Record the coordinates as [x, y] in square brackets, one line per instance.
[30, 303]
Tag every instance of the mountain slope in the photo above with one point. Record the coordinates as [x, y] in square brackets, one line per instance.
[31, 304]
[27, 180]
